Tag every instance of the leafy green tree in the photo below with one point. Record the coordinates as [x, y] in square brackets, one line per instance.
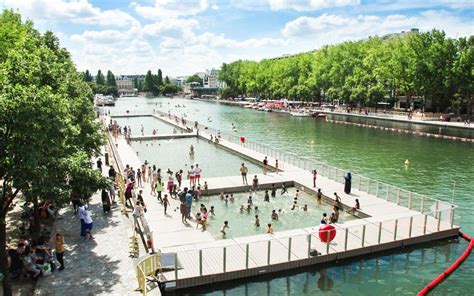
[47, 129]
[88, 77]
[148, 85]
[195, 78]
[99, 78]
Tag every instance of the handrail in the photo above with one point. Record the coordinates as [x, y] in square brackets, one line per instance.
[326, 170]
[451, 268]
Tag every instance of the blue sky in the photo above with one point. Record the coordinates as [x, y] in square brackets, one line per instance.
[183, 36]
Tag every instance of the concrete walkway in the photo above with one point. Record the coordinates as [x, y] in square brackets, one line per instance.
[96, 267]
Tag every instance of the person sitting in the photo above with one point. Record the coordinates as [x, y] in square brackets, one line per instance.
[337, 198]
[15, 259]
[355, 207]
[324, 219]
[30, 262]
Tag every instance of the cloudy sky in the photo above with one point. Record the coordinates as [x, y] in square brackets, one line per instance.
[185, 36]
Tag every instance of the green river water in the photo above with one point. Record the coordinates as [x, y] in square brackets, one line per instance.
[439, 168]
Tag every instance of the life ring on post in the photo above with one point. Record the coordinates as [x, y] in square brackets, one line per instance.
[327, 233]
[242, 140]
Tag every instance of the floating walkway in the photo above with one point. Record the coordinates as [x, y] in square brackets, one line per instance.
[162, 136]
[390, 218]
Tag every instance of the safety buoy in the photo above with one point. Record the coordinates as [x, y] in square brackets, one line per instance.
[327, 233]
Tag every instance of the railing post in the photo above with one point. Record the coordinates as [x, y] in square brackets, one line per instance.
[327, 243]
[436, 209]
[388, 192]
[439, 221]
[398, 196]
[422, 203]
[176, 266]
[380, 232]
[452, 216]
[269, 247]
[377, 190]
[247, 256]
[395, 230]
[409, 200]
[411, 225]
[289, 249]
[345, 239]
[363, 235]
[224, 259]
[309, 245]
[200, 262]
[424, 224]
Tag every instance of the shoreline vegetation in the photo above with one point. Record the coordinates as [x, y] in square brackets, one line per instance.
[430, 71]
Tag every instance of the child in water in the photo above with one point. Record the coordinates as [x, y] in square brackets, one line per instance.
[226, 225]
[257, 221]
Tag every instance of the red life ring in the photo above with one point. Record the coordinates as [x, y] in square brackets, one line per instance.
[242, 140]
[327, 233]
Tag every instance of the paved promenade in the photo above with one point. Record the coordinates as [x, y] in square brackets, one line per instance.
[96, 267]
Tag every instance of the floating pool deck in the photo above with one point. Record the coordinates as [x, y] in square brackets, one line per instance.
[396, 220]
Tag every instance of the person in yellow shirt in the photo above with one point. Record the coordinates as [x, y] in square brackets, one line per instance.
[60, 250]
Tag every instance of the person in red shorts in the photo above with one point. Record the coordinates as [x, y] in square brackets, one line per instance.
[197, 174]
[191, 176]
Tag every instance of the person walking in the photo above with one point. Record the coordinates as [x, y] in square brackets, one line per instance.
[315, 174]
[243, 171]
[89, 223]
[139, 178]
[159, 190]
[166, 202]
[59, 242]
[82, 215]
[265, 165]
[99, 164]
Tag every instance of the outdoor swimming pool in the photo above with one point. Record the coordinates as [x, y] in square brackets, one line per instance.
[174, 154]
[149, 123]
[243, 223]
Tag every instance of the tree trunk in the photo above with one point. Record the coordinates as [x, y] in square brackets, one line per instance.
[36, 219]
[7, 286]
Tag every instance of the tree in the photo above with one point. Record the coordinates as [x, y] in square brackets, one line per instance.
[88, 77]
[159, 80]
[195, 78]
[149, 82]
[47, 127]
[100, 79]
[111, 84]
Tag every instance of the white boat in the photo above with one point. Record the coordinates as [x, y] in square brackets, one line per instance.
[299, 114]
[267, 109]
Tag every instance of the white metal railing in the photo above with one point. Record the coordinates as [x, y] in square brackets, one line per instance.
[402, 197]
[196, 261]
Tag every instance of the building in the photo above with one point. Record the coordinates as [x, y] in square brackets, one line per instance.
[180, 81]
[210, 79]
[125, 87]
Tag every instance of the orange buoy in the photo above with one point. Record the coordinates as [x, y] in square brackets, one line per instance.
[327, 233]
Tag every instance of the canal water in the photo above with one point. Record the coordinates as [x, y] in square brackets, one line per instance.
[440, 168]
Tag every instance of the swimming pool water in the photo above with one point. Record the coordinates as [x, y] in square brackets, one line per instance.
[149, 124]
[242, 223]
[174, 154]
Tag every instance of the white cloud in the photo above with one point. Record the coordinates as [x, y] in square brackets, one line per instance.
[309, 5]
[170, 8]
[183, 27]
[330, 28]
[75, 11]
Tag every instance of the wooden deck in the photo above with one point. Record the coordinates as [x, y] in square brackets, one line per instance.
[399, 219]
